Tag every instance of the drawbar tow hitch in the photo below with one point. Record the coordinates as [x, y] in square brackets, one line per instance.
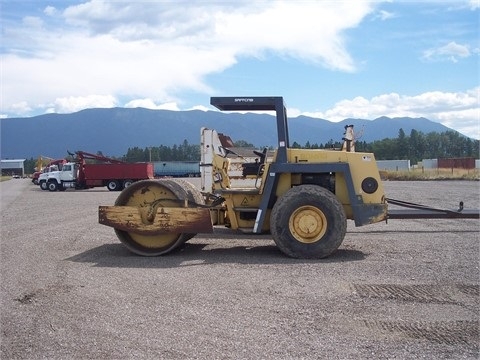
[417, 211]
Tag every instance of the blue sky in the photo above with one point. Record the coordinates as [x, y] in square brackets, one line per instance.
[328, 59]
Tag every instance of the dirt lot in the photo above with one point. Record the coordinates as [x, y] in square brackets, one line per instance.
[402, 290]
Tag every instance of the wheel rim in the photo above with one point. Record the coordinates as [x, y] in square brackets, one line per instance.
[307, 224]
[141, 195]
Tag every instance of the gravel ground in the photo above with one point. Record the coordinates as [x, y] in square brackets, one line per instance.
[408, 289]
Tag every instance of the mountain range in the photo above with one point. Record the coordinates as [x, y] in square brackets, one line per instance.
[112, 131]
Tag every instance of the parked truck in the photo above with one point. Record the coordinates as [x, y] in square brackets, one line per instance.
[41, 168]
[54, 165]
[99, 171]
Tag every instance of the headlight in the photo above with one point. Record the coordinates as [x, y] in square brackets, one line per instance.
[369, 185]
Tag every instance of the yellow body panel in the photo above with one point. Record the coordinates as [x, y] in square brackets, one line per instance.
[242, 205]
[362, 165]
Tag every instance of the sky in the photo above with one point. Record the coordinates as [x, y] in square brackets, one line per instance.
[328, 59]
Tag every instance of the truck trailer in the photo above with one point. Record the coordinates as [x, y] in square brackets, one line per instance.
[176, 168]
[114, 174]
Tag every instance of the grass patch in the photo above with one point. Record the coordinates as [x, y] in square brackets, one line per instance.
[432, 174]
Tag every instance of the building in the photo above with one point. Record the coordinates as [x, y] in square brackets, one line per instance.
[393, 165]
[12, 167]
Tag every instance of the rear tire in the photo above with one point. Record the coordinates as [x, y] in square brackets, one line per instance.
[52, 186]
[43, 185]
[113, 185]
[127, 183]
[308, 222]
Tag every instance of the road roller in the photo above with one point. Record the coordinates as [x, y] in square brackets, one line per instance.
[301, 197]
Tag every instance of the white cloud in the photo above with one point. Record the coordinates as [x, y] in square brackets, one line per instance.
[384, 15]
[20, 108]
[156, 50]
[150, 104]
[50, 11]
[469, 120]
[75, 103]
[460, 111]
[148, 53]
[32, 22]
[200, 107]
[474, 4]
[450, 52]
[317, 38]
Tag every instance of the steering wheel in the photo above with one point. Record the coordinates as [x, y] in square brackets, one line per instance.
[262, 155]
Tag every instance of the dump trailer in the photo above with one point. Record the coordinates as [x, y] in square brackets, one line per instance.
[302, 197]
[114, 174]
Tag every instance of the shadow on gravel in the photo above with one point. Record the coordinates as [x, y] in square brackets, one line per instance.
[387, 232]
[36, 188]
[117, 256]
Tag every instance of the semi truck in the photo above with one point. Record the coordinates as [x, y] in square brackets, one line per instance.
[100, 171]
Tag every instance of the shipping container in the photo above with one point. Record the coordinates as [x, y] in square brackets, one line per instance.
[176, 168]
[457, 163]
[393, 165]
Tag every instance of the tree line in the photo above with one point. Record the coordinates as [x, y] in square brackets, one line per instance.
[413, 147]
[182, 152]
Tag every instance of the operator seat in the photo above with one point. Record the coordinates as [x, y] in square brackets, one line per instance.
[255, 168]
